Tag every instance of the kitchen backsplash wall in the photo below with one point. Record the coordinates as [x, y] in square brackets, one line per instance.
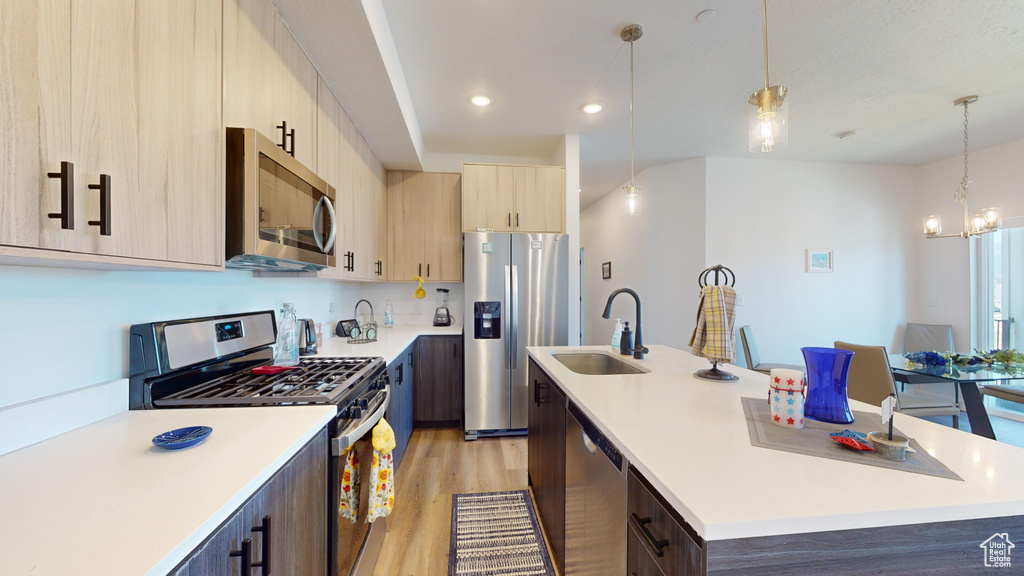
[66, 329]
[409, 310]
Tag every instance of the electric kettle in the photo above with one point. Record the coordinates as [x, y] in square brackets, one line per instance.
[307, 337]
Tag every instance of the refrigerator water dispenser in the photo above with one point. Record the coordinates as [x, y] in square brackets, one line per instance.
[486, 320]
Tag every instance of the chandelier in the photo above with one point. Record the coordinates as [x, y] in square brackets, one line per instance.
[769, 115]
[630, 34]
[989, 220]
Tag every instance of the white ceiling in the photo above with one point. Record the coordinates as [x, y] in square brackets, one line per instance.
[889, 69]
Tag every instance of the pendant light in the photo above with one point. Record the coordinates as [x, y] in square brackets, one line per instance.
[989, 220]
[630, 34]
[769, 113]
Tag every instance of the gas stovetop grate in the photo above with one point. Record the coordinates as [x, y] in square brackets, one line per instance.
[315, 381]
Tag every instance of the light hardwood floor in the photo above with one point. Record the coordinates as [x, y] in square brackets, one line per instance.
[437, 464]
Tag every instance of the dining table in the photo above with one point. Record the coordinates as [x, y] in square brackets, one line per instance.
[967, 378]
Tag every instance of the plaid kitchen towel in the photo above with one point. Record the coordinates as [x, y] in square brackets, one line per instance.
[713, 336]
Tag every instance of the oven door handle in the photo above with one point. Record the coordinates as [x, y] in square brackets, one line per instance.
[356, 430]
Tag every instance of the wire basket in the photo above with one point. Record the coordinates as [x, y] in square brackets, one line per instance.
[367, 334]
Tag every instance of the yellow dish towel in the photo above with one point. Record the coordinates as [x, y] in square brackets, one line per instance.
[713, 336]
[382, 472]
[348, 495]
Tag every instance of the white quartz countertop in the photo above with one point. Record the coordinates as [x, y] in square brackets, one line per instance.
[390, 341]
[102, 500]
[689, 438]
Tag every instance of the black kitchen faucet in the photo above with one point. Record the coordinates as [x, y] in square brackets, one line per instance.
[638, 348]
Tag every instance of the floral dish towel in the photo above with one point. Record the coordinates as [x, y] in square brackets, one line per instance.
[348, 495]
[382, 472]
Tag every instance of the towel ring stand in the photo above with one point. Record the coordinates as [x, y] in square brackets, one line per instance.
[715, 374]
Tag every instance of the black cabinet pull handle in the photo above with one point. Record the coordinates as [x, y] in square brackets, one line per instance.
[517, 219]
[246, 555]
[67, 195]
[428, 270]
[420, 272]
[264, 563]
[536, 393]
[284, 135]
[400, 376]
[104, 188]
[655, 546]
[291, 134]
[509, 219]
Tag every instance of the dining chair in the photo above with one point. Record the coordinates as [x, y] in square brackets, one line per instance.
[927, 338]
[870, 380]
[752, 358]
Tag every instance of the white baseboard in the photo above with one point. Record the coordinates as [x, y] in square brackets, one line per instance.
[43, 418]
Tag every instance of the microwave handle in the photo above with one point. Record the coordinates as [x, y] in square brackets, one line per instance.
[357, 430]
[334, 224]
[318, 236]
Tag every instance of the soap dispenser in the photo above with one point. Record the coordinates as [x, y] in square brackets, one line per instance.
[626, 341]
[617, 335]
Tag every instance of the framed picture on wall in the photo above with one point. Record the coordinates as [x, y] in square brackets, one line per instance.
[606, 270]
[819, 260]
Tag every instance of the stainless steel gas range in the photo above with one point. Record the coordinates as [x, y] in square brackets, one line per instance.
[222, 361]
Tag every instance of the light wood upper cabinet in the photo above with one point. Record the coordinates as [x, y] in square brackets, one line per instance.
[35, 64]
[513, 198]
[424, 226]
[268, 80]
[121, 89]
[487, 197]
[539, 199]
[349, 165]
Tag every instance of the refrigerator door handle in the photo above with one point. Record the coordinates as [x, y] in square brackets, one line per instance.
[508, 314]
[514, 336]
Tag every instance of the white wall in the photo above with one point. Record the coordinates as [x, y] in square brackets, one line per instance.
[568, 155]
[758, 217]
[609, 235]
[675, 250]
[66, 329]
[939, 292]
[762, 215]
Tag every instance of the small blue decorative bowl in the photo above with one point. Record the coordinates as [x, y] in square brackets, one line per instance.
[182, 437]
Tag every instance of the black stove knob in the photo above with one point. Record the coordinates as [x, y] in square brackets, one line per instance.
[355, 412]
[363, 403]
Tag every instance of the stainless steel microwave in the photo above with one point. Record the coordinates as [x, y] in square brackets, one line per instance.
[280, 215]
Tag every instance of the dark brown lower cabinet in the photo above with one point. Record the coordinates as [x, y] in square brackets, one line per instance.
[285, 524]
[659, 541]
[546, 457]
[438, 381]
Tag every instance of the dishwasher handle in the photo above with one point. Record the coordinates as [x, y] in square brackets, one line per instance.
[588, 443]
[356, 430]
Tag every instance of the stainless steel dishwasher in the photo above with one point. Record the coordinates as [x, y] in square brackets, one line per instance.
[595, 501]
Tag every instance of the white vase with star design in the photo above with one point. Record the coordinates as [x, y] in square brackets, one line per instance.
[786, 394]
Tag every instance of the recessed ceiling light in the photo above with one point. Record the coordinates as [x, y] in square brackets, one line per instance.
[481, 100]
[592, 108]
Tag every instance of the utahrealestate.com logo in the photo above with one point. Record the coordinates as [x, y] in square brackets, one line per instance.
[997, 550]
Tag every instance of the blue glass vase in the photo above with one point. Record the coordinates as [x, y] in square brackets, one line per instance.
[827, 369]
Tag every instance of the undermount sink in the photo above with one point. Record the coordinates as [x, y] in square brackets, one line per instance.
[596, 364]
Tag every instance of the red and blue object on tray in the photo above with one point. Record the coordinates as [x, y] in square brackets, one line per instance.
[853, 440]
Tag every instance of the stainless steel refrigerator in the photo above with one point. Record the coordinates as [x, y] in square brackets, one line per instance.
[517, 287]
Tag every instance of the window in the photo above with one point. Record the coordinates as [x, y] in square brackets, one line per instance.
[999, 314]
[1000, 311]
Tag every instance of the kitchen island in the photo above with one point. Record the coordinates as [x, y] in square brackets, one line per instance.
[689, 441]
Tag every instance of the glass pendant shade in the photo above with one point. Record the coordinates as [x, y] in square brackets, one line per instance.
[769, 119]
[993, 218]
[978, 224]
[933, 225]
[632, 193]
